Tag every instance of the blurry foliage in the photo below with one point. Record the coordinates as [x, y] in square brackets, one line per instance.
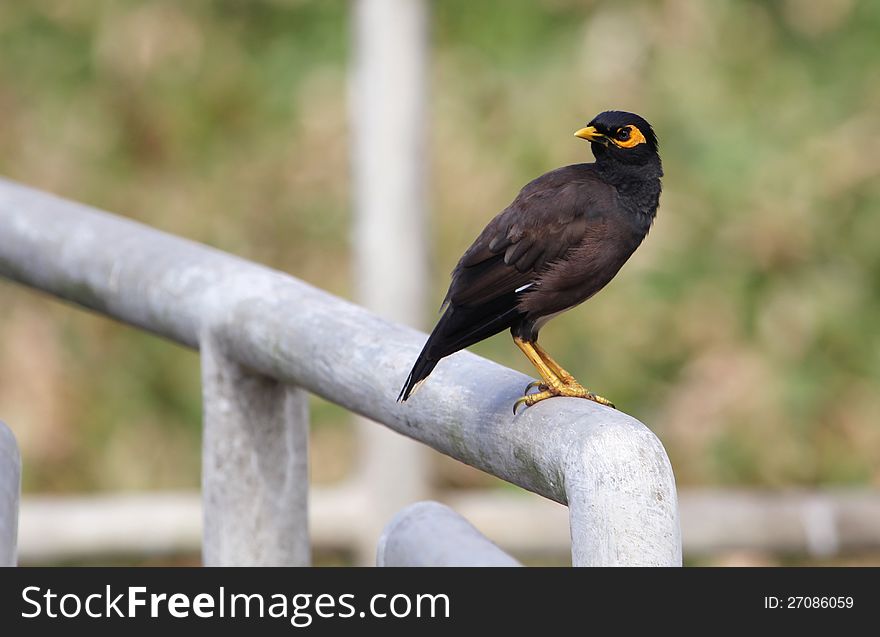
[744, 331]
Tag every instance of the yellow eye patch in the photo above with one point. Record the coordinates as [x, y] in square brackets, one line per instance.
[627, 137]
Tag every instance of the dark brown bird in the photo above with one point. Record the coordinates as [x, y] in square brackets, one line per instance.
[562, 239]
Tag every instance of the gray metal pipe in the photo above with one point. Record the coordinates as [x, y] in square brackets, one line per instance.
[255, 478]
[432, 534]
[285, 329]
[10, 493]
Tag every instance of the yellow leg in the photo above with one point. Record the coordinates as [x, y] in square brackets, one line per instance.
[535, 359]
[557, 381]
[563, 375]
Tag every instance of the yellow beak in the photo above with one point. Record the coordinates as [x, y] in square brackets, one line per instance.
[590, 134]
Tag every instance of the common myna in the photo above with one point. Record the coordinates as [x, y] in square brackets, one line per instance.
[562, 239]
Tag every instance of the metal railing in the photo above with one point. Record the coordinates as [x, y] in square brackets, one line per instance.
[267, 338]
[431, 534]
[10, 490]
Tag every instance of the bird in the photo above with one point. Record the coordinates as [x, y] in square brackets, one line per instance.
[562, 239]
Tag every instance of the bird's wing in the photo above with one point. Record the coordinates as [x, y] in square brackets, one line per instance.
[548, 218]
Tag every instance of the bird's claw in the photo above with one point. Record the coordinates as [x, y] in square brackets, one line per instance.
[596, 398]
[546, 392]
[535, 383]
[521, 401]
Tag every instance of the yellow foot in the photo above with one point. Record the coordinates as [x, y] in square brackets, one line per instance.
[572, 390]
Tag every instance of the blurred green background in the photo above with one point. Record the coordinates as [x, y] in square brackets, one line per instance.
[744, 331]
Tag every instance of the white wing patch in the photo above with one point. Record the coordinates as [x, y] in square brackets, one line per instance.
[524, 287]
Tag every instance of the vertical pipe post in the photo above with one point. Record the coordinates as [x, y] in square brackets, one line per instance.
[387, 115]
[254, 466]
[622, 501]
[10, 494]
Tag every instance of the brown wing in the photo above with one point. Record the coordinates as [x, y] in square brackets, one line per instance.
[549, 218]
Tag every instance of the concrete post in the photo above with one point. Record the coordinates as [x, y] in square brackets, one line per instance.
[387, 116]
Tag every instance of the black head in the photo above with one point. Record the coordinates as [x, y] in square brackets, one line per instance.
[621, 137]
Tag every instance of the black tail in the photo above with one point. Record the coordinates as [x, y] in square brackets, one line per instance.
[460, 327]
[420, 371]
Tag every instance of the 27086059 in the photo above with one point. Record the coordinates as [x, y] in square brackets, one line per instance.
[807, 601]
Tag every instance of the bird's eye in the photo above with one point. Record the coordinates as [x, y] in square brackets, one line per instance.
[628, 137]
